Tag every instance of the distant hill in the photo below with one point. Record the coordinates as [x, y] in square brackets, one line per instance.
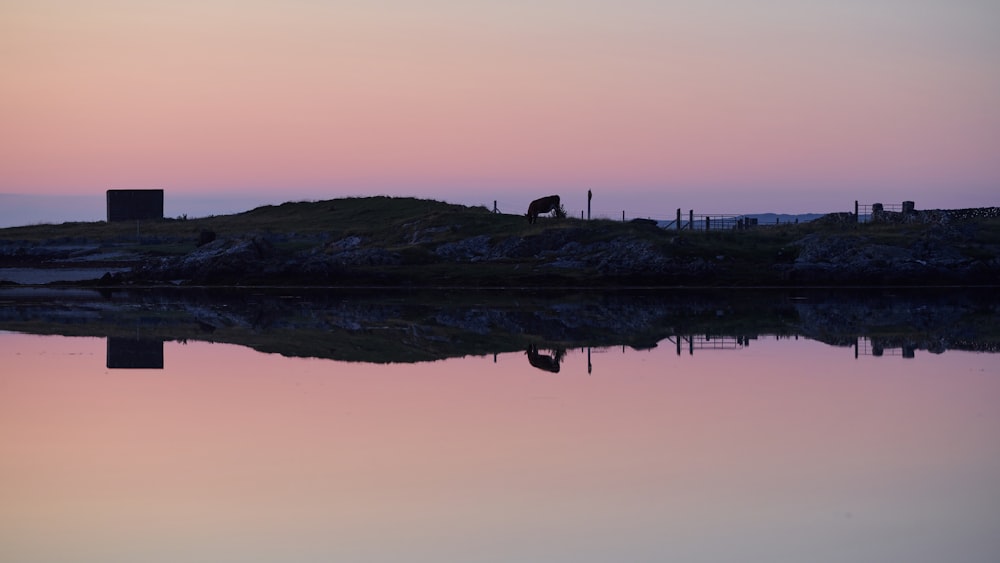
[772, 218]
[762, 219]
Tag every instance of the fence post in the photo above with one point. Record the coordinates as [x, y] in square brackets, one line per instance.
[856, 216]
[708, 223]
[590, 196]
[691, 219]
[623, 215]
[678, 218]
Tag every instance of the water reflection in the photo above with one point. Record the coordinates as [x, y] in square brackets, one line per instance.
[545, 362]
[139, 353]
[789, 448]
[393, 327]
[134, 353]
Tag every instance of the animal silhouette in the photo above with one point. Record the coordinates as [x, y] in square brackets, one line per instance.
[545, 362]
[542, 205]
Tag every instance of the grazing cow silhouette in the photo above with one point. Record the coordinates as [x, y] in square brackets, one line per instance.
[545, 362]
[542, 205]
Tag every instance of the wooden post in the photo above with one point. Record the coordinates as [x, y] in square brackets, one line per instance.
[590, 196]
[495, 206]
[856, 216]
[678, 218]
[708, 223]
[623, 215]
[691, 219]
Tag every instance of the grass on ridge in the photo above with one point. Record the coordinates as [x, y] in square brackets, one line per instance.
[413, 226]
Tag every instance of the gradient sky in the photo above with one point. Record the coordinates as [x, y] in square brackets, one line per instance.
[726, 107]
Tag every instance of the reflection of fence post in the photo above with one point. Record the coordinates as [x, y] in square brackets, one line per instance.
[678, 345]
[590, 366]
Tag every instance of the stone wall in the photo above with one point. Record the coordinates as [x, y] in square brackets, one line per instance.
[941, 216]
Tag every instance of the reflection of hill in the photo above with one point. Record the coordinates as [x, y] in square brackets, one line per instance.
[401, 326]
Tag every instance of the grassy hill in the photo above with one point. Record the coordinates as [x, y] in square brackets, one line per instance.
[394, 241]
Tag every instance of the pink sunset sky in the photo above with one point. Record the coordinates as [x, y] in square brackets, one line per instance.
[742, 106]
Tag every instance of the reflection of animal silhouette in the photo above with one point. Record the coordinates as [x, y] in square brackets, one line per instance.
[542, 205]
[545, 361]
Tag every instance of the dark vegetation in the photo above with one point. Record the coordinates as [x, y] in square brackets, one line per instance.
[414, 242]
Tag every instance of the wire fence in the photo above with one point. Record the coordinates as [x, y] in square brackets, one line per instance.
[691, 221]
[866, 212]
[867, 347]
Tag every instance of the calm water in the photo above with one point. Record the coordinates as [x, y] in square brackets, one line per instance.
[711, 449]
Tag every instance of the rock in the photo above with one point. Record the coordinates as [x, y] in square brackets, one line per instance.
[206, 237]
[465, 250]
[222, 260]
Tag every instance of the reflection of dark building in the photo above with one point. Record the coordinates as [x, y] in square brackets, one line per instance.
[131, 205]
[132, 353]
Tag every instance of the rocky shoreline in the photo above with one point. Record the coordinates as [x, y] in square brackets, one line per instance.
[466, 248]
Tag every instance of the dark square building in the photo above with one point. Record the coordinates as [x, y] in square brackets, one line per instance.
[132, 205]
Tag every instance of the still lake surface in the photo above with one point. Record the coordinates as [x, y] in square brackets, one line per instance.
[706, 447]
